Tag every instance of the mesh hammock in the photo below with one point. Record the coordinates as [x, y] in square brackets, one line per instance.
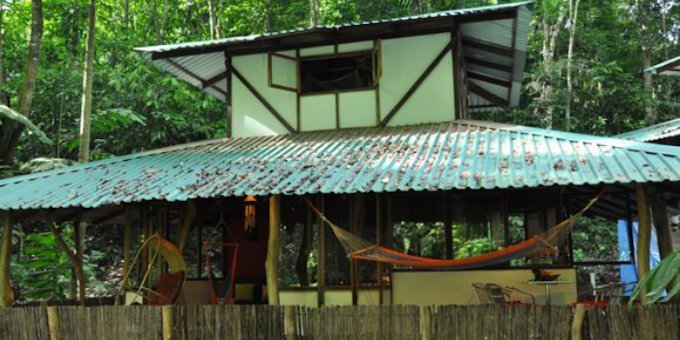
[358, 248]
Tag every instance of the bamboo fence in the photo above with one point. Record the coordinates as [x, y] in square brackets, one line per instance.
[336, 322]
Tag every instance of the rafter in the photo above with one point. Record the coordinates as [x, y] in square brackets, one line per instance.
[478, 90]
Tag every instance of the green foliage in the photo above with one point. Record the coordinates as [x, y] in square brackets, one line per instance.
[596, 239]
[44, 271]
[12, 115]
[657, 280]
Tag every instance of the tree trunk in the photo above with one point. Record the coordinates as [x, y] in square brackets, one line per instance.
[573, 17]
[74, 257]
[550, 33]
[211, 19]
[10, 130]
[663, 228]
[88, 74]
[313, 13]
[416, 7]
[644, 234]
[6, 293]
[646, 47]
[273, 250]
[4, 96]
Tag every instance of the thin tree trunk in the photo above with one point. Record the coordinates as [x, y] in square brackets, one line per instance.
[646, 47]
[573, 17]
[74, 257]
[88, 74]
[211, 19]
[10, 130]
[4, 96]
[550, 32]
[6, 293]
[416, 7]
[313, 13]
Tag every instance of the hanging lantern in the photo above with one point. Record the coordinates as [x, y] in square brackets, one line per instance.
[249, 221]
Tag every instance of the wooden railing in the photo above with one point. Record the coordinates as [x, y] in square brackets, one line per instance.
[347, 322]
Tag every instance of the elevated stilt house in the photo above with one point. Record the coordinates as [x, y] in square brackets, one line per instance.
[373, 123]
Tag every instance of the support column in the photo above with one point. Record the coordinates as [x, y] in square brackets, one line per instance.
[321, 261]
[644, 233]
[273, 250]
[663, 229]
[6, 293]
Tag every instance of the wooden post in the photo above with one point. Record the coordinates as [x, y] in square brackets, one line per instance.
[53, 324]
[187, 221]
[577, 322]
[6, 293]
[663, 229]
[644, 234]
[321, 261]
[379, 241]
[273, 250]
[425, 322]
[166, 316]
[290, 324]
[127, 239]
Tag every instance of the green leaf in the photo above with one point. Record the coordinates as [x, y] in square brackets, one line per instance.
[19, 118]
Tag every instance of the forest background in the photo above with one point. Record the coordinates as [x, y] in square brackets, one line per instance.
[583, 74]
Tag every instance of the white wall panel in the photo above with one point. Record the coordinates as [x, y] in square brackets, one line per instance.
[317, 112]
[357, 109]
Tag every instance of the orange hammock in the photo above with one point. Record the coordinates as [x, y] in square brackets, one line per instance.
[358, 248]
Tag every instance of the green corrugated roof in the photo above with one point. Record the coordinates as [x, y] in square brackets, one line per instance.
[670, 67]
[656, 132]
[456, 155]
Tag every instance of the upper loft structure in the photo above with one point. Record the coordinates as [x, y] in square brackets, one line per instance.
[428, 68]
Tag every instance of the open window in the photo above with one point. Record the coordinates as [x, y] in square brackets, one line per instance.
[342, 72]
[284, 71]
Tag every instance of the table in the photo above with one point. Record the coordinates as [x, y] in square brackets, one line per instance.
[548, 285]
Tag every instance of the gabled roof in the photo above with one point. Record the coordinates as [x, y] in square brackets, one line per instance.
[494, 43]
[669, 67]
[443, 156]
[652, 133]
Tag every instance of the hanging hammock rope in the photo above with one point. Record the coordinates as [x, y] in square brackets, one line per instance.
[358, 248]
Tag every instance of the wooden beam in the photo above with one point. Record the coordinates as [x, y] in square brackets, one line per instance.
[127, 241]
[491, 80]
[212, 81]
[414, 87]
[488, 64]
[108, 216]
[193, 75]
[478, 90]
[488, 47]
[644, 234]
[669, 67]
[262, 100]
[188, 220]
[273, 250]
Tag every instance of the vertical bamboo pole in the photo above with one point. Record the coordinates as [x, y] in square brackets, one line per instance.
[644, 233]
[290, 324]
[577, 322]
[53, 324]
[273, 250]
[166, 317]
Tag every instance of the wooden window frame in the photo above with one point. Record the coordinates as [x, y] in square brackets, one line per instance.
[270, 80]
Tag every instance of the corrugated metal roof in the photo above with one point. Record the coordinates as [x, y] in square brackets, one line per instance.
[656, 132]
[254, 37]
[499, 32]
[444, 156]
[669, 67]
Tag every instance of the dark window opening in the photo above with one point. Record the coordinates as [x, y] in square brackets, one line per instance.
[329, 74]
